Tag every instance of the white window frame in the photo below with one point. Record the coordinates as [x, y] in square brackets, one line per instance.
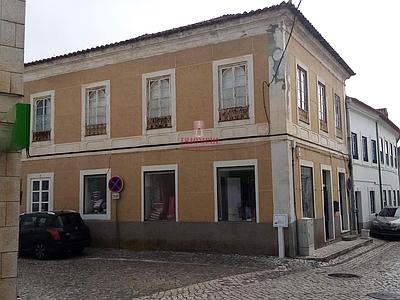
[39, 176]
[309, 164]
[232, 164]
[148, 76]
[322, 82]
[248, 59]
[298, 63]
[84, 87]
[155, 168]
[338, 113]
[33, 98]
[82, 175]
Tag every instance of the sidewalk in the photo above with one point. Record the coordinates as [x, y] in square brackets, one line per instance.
[336, 249]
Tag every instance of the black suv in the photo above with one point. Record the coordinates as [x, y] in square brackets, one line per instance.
[46, 233]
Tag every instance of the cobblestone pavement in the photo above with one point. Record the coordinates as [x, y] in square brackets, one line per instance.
[122, 274]
[379, 271]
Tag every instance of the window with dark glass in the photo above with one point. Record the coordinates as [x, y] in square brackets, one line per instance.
[307, 192]
[390, 197]
[387, 152]
[95, 194]
[365, 148]
[236, 194]
[354, 145]
[391, 154]
[384, 199]
[373, 150]
[394, 198]
[159, 196]
[382, 158]
[372, 201]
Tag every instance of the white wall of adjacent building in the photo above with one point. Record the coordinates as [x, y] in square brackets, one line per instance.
[365, 170]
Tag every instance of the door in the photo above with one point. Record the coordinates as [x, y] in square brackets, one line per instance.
[344, 208]
[328, 207]
[358, 210]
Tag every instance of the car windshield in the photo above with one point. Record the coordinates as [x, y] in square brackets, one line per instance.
[391, 212]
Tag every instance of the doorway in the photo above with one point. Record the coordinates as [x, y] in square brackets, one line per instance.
[328, 207]
[344, 209]
[358, 210]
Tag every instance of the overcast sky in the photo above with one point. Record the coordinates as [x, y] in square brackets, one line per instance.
[364, 32]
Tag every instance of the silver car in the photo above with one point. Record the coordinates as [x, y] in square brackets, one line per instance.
[387, 222]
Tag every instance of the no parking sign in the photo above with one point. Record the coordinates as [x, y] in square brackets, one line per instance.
[115, 185]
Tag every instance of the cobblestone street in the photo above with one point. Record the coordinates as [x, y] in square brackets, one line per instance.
[121, 274]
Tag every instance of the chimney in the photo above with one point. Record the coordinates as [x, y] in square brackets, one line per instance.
[383, 111]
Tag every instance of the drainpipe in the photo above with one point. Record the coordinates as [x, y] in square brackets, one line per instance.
[353, 223]
[379, 162]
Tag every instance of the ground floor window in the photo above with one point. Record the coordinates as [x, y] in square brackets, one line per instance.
[159, 195]
[372, 201]
[307, 192]
[390, 197]
[95, 194]
[95, 197]
[40, 194]
[236, 193]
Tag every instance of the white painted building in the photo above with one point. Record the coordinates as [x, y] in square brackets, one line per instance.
[374, 140]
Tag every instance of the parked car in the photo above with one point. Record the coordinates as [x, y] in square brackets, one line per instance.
[45, 233]
[387, 222]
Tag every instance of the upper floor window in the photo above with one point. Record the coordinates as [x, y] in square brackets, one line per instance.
[387, 152]
[373, 149]
[42, 119]
[365, 148]
[338, 115]
[302, 93]
[233, 91]
[381, 150]
[354, 145]
[391, 155]
[159, 101]
[96, 105]
[42, 116]
[323, 115]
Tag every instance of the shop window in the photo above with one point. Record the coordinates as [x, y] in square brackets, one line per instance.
[236, 193]
[307, 192]
[159, 196]
[95, 194]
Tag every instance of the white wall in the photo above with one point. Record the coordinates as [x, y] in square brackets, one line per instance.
[366, 174]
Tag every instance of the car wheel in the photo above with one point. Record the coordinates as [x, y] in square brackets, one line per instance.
[40, 250]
